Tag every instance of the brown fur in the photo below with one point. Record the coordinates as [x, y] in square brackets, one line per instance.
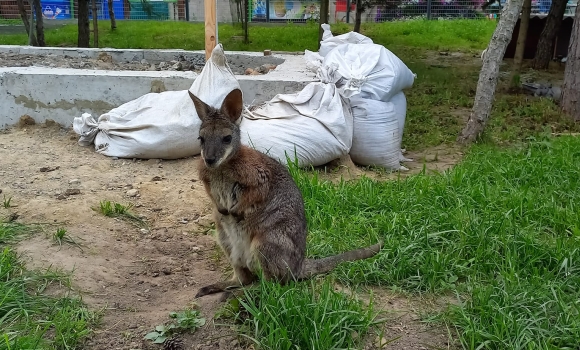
[258, 209]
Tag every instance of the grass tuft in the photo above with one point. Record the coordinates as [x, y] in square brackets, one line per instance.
[305, 315]
[29, 319]
[117, 210]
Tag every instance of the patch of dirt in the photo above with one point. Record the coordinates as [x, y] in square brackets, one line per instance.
[106, 62]
[137, 276]
[433, 160]
[404, 329]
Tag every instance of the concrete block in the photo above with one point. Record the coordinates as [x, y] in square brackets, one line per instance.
[63, 94]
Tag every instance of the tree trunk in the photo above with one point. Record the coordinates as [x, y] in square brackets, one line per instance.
[245, 16]
[544, 51]
[112, 15]
[24, 16]
[358, 15]
[324, 4]
[84, 36]
[522, 35]
[490, 71]
[95, 24]
[571, 90]
[39, 23]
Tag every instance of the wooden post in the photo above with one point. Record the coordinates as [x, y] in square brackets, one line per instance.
[210, 27]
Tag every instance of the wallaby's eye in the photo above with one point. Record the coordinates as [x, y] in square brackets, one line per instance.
[201, 139]
[227, 139]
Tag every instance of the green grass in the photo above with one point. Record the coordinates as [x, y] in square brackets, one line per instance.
[117, 210]
[452, 35]
[306, 315]
[501, 230]
[29, 319]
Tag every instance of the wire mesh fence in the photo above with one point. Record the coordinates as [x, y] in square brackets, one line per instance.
[274, 10]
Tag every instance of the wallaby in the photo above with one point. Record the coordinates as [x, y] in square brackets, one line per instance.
[258, 208]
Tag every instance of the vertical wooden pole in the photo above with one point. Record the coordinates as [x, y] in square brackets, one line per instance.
[210, 27]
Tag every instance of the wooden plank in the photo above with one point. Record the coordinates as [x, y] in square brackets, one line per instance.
[210, 27]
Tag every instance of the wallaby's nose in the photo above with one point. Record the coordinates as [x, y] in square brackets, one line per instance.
[210, 161]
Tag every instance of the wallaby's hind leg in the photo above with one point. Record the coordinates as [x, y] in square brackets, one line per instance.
[242, 277]
[277, 261]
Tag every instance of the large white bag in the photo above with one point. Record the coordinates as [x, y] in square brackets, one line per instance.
[313, 126]
[369, 69]
[329, 41]
[163, 125]
[376, 139]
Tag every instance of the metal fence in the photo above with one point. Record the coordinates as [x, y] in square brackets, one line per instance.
[277, 10]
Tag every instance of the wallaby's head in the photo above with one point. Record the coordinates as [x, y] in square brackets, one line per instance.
[219, 134]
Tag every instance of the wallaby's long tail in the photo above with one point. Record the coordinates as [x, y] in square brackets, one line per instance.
[313, 267]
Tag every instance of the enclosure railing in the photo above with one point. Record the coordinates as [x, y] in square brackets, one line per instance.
[274, 10]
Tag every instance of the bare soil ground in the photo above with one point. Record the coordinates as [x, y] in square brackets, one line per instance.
[137, 276]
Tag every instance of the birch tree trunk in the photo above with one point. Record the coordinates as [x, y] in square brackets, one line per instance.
[490, 71]
[571, 90]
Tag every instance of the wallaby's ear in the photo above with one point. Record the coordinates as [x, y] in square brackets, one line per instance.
[233, 105]
[201, 108]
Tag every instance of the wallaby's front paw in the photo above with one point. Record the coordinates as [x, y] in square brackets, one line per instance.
[211, 289]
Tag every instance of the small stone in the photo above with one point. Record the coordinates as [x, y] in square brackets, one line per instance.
[26, 120]
[267, 52]
[157, 178]
[163, 65]
[144, 231]
[132, 193]
[155, 274]
[144, 62]
[105, 57]
[74, 182]
[195, 249]
[72, 192]
[177, 66]
[166, 271]
[47, 169]
[249, 71]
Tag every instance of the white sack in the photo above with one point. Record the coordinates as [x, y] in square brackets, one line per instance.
[376, 139]
[369, 69]
[315, 125]
[400, 103]
[329, 41]
[163, 125]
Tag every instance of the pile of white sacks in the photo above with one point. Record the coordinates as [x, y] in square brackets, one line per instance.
[357, 108]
